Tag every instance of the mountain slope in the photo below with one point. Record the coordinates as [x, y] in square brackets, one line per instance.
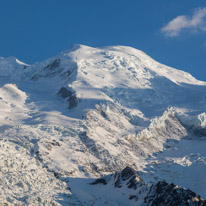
[129, 188]
[90, 112]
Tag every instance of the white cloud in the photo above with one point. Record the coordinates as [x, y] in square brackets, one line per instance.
[196, 22]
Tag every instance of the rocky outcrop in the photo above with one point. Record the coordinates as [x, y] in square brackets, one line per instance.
[64, 92]
[165, 194]
[99, 181]
[72, 101]
[71, 97]
[158, 194]
[130, 176]
[52, 69]
[53, 65]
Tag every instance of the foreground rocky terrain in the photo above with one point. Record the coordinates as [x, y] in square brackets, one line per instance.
[68, 123]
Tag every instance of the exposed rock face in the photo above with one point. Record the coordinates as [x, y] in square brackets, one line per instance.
[72, 101]
[99, 181]
[64, 93]
[164, 194]
[53, 65]
[50, 70]
[129, 175]
[159, 194]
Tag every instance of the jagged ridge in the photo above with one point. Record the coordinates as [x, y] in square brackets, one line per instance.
[158, 194]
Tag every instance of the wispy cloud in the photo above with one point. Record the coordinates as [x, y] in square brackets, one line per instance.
[195, 22]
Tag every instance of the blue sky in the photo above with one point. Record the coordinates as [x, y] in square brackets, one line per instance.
[172, 32]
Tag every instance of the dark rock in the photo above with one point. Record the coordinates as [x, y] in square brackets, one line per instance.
[133, 197]
[165, 194]
[127, 173]
[104, 114]
[72, 101]
[53, 65]
[50, 70]
[99, 181]
[117, 183]
[72, 98]
[55, 143]
[64, 92]
[132, 184]
[57, 175]
[159, 194]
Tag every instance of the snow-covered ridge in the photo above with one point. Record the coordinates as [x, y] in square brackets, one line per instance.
[121, 74]
[128, 188]
[11, 66]
[89, 112]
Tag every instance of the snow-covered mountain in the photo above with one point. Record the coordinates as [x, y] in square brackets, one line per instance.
[89, 112]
